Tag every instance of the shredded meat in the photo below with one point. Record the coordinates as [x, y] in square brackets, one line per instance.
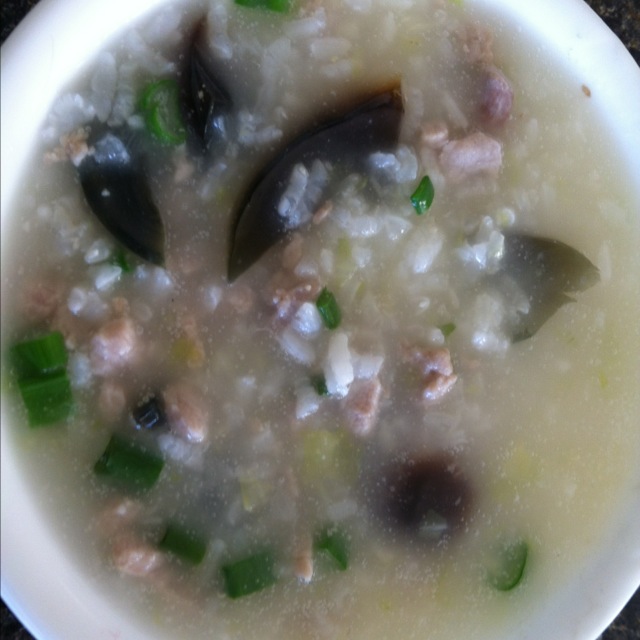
[362, 405]
[73, 146]
[136, 558]
[114, 346]
[130, 554]
[41, 299]
[186, 412]
[496, 100]
[117, 515]
[476, 154]
[437, 385]
[322, 212]
[436, 368]
[287, 293]
[303, 559]
[496, 95]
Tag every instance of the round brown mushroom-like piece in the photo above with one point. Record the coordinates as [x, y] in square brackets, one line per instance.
[426, 498]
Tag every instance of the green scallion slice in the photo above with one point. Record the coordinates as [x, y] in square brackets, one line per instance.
[129, 464]
[422, 197]
[447, 329]
[329, 309]
[48, 399]
[507, 565]
[119, 259]
[319, 384]
[40, 366]
[160, 106]
[183, 543]
[249, 575]
[334, 543]
[40, 356]
[279, 6]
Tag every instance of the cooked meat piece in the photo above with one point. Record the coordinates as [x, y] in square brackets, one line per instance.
[437, 385]
[73, 146]
[476, 154]
[119, 514]
[437, 369]
[322, 212]
[288, 293]
[362, 405]
[41, 299]
[186, 412]
[114, 346]
[429, 360]
[136, 558]
[303, 559]
[496, 100]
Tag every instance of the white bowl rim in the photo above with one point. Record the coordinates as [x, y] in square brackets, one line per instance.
[71, 608]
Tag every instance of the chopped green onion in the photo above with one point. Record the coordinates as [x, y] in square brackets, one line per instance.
[319, 384]
[119, 259]
[249, 575]
[184, 544]
[40, 356]
[129, 464]
[329, 309]
[508, 564]
[42, 378]
[160, 106]
[422, 197]
[279, 6]
[447, 329]
[334, 543]
[48, 399]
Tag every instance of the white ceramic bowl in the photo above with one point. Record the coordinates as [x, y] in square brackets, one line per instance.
[46, 590]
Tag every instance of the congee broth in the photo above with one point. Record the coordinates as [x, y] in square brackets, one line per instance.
[321, 321]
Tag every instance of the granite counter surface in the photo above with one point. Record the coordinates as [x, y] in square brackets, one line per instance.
[623, 18]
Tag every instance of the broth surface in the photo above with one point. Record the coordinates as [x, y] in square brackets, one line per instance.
[543, 431]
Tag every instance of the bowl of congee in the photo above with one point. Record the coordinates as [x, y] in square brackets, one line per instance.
[319, 320]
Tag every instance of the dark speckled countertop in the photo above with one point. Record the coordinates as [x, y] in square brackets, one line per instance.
[623, 18]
